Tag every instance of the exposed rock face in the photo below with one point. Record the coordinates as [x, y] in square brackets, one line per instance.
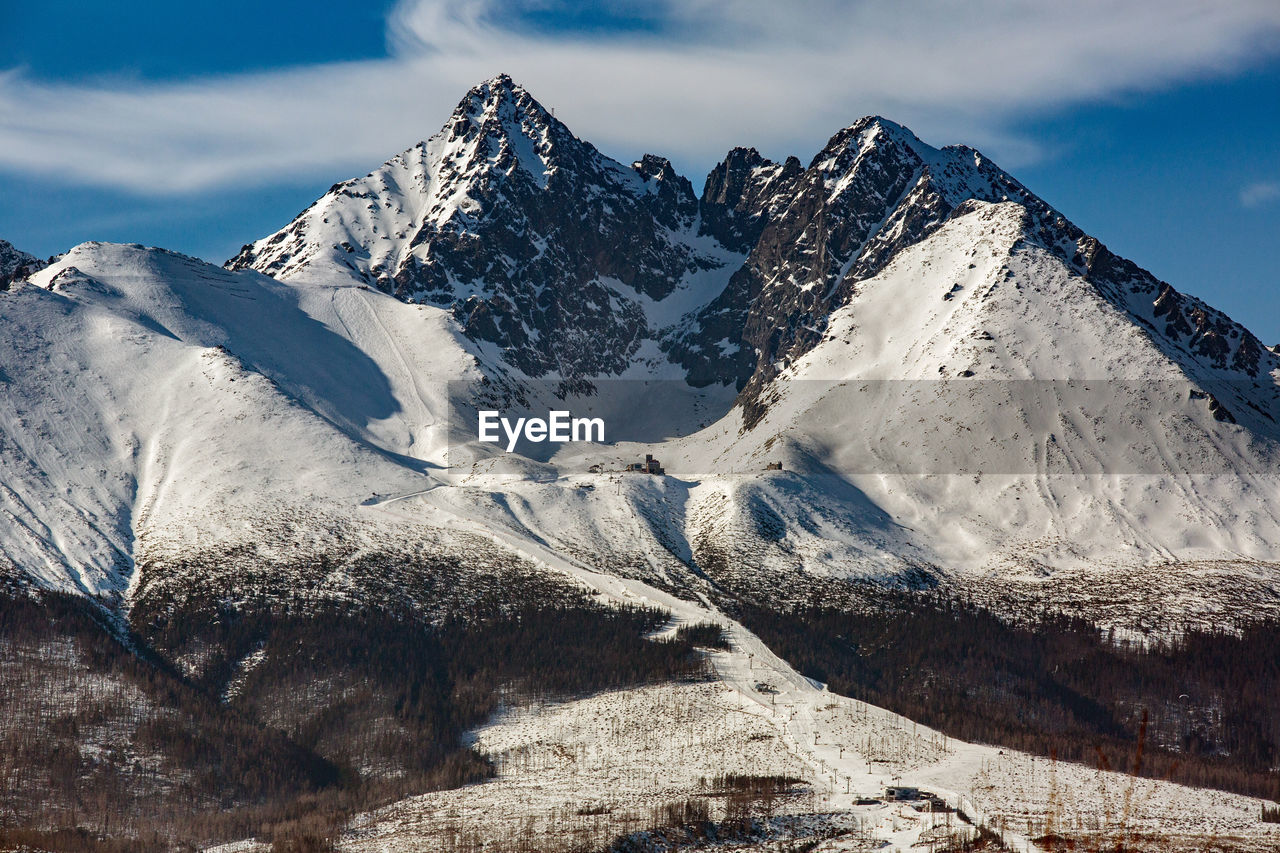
[742, 194]
[874, 190]
[16, 265]
[569, 263]
[539, 244]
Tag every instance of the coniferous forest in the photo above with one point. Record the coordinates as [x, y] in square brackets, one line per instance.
[1201, 707]
[217, 721]
[276, 724]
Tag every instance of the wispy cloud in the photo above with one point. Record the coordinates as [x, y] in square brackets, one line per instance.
[707, 75]
[1260, 193]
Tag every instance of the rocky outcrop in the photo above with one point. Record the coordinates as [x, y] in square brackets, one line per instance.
[743, 194]
[16, 265]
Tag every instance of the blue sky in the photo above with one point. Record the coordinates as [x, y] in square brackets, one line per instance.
[1154, 124]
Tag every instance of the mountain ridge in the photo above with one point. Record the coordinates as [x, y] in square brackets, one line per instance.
[788, 244]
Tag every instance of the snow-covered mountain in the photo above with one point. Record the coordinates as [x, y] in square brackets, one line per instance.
[564, 260]
[1134, 427]
[873, 191]
[571, 263]
[963, 387]
[893, 368]
[147, 392]
[986, 410]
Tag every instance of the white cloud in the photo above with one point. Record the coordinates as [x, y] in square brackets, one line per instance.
[780, 76]
[1260, 193]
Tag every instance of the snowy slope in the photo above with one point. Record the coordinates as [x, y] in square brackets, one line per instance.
[150, 397]
[963, 393]
[583, 772]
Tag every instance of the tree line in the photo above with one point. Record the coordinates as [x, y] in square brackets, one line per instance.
[1054, 684]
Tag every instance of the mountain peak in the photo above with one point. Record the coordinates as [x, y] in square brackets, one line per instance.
[501, 113]
[500, 95]
[495, 86]
[652, 166]
[871, 132]
[496, 83]
[738, 193]
[888, 125]
[525, 233]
